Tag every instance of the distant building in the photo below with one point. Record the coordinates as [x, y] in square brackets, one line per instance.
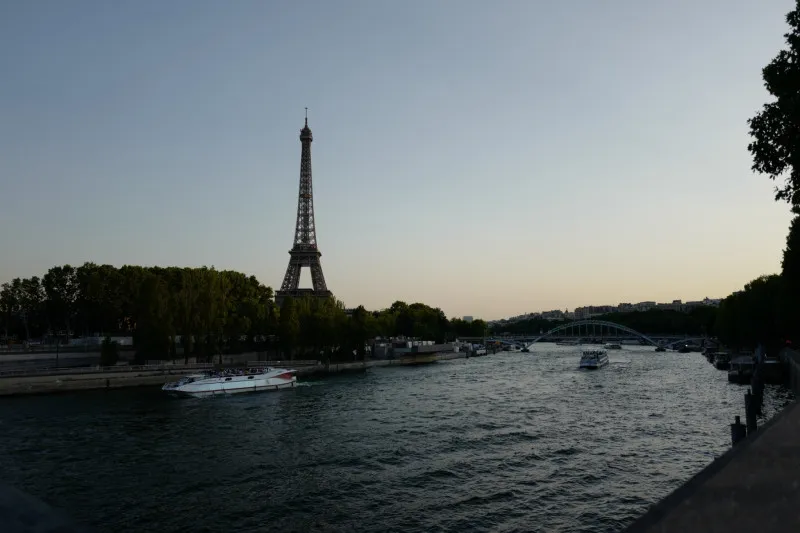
[591, 311]
[676, 305]
[467, 319]
[556, 314]
[582, 313]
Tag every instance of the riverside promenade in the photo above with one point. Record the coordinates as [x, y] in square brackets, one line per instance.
[752, 488]
[51, 381]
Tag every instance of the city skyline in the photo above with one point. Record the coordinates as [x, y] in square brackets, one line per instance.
[590, 311]
[563, 156]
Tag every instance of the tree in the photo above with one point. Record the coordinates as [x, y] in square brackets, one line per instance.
[109, 352]
[790, 272]
[9, 305]
[153, 320]
[288, 326]
[61, 289]
[97, 303]
[31, 300]
[362, 328]
[776, 128]
[790, 264]
[755, 315]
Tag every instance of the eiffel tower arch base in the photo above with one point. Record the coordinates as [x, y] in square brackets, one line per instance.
[291, 281]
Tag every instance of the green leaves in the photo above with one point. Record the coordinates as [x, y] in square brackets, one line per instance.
[757, 314]
[203, 311]
[776, 128]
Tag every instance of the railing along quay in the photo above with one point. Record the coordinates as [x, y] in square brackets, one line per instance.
[52, 371]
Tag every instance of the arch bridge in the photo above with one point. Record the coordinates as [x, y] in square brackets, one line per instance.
[687, 340]
[603, 330]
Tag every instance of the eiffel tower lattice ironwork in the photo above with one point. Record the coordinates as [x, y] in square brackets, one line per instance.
[304, 252]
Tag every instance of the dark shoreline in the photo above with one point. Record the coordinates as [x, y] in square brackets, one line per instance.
[55, 383]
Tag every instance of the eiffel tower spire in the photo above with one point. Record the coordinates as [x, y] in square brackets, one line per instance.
[304, 252]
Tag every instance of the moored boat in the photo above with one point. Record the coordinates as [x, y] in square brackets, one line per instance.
[722, 361]
[613, 346]
[593, 359]
[741, 369]
[213, 383]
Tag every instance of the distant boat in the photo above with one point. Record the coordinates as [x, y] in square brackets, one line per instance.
[613, 346]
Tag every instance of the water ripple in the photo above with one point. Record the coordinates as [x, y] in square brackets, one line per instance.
[509, 443]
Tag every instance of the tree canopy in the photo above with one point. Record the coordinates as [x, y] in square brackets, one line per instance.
[776, 128]
[697, 321]
[765, 311]
[202, 312]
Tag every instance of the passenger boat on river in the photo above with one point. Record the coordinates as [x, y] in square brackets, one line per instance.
[232, 381]
[593, 359]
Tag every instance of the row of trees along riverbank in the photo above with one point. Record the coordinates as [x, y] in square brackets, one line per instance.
[767, 309]
[698, 321]
[202, 311]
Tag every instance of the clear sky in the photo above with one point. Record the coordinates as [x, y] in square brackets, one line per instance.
[489, 158]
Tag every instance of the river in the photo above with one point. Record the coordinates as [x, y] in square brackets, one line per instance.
[510, 442]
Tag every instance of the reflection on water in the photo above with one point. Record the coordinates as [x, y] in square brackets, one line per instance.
[522, 442]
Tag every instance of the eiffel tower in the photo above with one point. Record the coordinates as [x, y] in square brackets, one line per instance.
[304, 253]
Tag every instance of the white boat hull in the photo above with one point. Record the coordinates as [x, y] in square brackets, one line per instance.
[594, 365]
[202, 385]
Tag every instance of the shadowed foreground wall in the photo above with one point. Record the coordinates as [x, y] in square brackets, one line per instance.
[22, 513]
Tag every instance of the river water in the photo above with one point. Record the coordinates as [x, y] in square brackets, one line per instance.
[510, 442]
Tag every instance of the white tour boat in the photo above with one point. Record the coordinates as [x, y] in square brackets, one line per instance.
[232, 381]
[613, 346]
[593, 359]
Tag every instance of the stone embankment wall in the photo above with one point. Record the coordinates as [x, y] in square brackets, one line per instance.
[43, 384]
[13, 386]
[751, 487]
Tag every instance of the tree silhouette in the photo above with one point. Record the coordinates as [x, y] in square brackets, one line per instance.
[776, 128]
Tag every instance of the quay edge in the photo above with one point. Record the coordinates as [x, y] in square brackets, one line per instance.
[55, 383]
[754, 486]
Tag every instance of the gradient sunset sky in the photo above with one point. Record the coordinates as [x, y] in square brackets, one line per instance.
[489, 158]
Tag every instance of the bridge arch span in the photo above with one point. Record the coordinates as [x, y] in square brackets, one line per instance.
[687, 340]
[602, 323]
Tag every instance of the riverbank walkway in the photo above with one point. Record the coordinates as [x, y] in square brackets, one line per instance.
[753, 488]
